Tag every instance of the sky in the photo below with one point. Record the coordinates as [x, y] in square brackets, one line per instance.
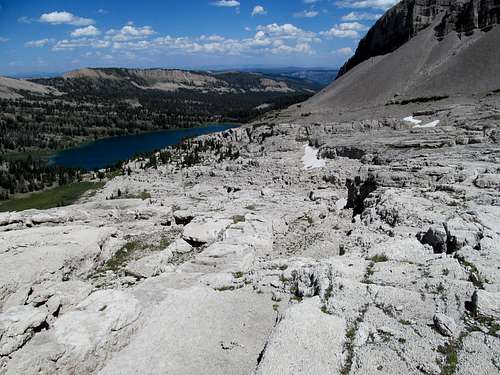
[58, 36]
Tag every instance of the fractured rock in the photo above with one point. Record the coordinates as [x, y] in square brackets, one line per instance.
[18, 325]
[306, 341]
[445, 325]
[202, 232]
[486, 304]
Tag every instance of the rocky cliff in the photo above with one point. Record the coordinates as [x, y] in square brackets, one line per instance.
[409, 17]
[418, 52]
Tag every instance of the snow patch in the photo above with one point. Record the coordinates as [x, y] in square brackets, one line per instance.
[432, 124]
[310, 158]
[412, 120]
[341, 203]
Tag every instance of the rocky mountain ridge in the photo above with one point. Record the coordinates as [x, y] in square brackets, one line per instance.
[173, 80]
[405, 20]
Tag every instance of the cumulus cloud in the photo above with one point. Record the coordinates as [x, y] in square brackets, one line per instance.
[85, 31]
[38, 43]
[357, 16]
[57, 18]
[69, 45]
[258, 10]
[306, 14]
[129, 32]
[226, 3]
[271, 39]
[346, 51]
[287, 31]
[376, 4]
[345, 30]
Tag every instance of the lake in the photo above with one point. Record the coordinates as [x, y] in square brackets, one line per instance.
[109, 151]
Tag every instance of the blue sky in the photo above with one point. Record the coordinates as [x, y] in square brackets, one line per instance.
[57, 36]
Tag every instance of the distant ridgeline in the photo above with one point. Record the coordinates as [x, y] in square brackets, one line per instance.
[406, 19]
[87, 104]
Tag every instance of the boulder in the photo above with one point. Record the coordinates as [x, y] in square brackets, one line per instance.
[488, 181]
[461, 233]
[151, 265]
[436, 237]
[486, 304]
[183, 217]
[180, 246]
[445, 325]
[200, 232]
[18, 325]
[82, 339]
[59, 296]
[47, 253]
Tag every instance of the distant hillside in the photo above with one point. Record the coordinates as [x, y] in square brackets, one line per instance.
[11, 88]
[171, 80]
[53, 113]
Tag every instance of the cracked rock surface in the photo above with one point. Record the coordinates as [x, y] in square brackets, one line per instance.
[382, 259]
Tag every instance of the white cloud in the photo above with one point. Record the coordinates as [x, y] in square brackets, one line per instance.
[286, 30]
[226, 3]
[310, 1]
[376, 4]
[272, 39]
[129, 32]
[345, 30]
[258, 10]
[346, 51]
[38, 43]
[85, 31]
[57, 18]
[211, 38]
[306, 14]
[3, 40]
[69, 45]
[24, 19]
[102, 11]
[357, 16]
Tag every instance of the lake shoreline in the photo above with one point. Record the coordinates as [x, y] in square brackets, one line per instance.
[45, 154]
[107, 152]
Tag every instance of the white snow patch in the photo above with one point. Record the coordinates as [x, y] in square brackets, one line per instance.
[432, 124]
[310, 158]
[412, 120]
[341, 203]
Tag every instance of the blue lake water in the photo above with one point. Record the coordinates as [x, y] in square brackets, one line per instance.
[107, 152]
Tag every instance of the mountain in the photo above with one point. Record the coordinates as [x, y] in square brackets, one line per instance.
[420, 50]
[171, 80]
[91, 103]
[11, 88]
[320, 76]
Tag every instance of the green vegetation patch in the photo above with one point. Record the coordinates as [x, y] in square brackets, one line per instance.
[425, 99]
[379, 258]
[123, 255]
[56, 197]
